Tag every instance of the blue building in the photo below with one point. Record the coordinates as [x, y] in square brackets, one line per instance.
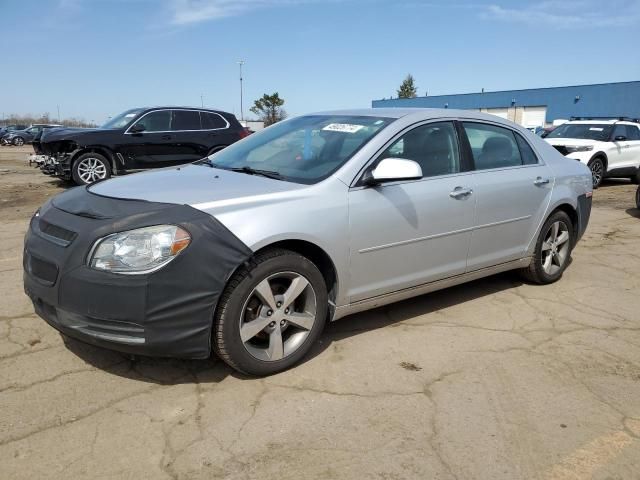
[538, 106]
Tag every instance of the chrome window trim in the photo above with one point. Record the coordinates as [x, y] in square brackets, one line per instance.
[127, 132]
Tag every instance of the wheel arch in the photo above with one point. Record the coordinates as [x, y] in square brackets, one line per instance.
[319, 257]
[216, 149]
[572, 213]
[603, 156]
[104, 151]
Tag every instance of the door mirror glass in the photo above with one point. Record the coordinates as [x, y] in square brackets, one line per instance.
[394, 169]
[137, 128]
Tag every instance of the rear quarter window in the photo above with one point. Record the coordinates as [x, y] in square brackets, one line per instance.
[211, 121]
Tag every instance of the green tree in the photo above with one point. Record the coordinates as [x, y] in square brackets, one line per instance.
[408, 88]
[269, 109]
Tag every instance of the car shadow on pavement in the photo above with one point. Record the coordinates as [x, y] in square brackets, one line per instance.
[414, 307]
[168, 371]
[633, 212]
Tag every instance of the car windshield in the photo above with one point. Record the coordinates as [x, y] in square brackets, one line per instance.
[303, 150]
[122, 120]
[586, 131]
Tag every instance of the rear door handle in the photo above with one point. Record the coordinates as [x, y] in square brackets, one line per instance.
[538, 182]
[460, 192]
[166, 137]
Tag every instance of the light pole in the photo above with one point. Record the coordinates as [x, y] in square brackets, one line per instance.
[58, 107]
[241, 63]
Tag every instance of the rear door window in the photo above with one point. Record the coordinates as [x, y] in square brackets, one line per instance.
[492, 146]
[212, 121]
[185, 120]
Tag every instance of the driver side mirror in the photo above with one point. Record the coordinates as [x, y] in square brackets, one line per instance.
[393, 170]
[620, 138]
[137, 128]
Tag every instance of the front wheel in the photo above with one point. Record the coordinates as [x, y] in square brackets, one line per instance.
[270, 314]
[553, 250]
[90, 168]
[597, 171]
[638, 198]
[18, 141]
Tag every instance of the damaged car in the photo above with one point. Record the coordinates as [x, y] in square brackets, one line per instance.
[249, 252]
[137, 139]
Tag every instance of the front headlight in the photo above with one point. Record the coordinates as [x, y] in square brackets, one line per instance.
[143, 250]
[581, 148]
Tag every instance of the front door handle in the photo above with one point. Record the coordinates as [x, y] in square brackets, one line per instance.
[460, 192]
[166, 137]
[538, 182]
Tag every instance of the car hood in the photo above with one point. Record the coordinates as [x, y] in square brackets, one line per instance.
[66, 133]
[199, 186]
[571, 141]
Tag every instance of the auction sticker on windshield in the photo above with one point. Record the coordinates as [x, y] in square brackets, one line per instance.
[343, 127]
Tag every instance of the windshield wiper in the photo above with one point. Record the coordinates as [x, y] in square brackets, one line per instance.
[253, 171]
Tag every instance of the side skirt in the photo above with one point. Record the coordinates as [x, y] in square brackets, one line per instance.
[410, 292]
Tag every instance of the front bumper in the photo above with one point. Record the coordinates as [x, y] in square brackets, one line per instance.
[165, 313]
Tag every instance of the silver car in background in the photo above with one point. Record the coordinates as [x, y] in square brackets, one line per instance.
[249, 252]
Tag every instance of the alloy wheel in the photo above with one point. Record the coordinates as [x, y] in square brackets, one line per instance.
[597, 171]
[555, 247]
[277, 316]
[18, 142]
[91, 170]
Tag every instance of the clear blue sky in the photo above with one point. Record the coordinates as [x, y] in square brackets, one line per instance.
[96, 58]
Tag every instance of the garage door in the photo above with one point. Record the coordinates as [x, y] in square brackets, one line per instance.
[499, 112]
[534, 116]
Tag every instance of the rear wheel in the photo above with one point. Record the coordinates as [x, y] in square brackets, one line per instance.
[597, 171]
[90, 168]
[270, 313]
[552, 251]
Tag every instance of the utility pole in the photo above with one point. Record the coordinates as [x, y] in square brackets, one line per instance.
[241, 63]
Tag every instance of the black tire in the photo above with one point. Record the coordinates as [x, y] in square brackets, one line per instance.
[80, 177]
[535, 272]
[226, 340]
[598, 171]
[638, 198]
[18, 141]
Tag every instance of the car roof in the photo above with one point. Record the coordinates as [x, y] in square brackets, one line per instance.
[179, 107]
[418, 114]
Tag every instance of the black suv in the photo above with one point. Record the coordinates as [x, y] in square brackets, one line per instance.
[137, 139]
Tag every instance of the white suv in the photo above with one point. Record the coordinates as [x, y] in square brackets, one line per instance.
[611, 148]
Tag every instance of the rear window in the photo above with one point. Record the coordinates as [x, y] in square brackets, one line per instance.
[185, 120]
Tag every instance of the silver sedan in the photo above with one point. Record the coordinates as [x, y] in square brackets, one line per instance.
[248, 253]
